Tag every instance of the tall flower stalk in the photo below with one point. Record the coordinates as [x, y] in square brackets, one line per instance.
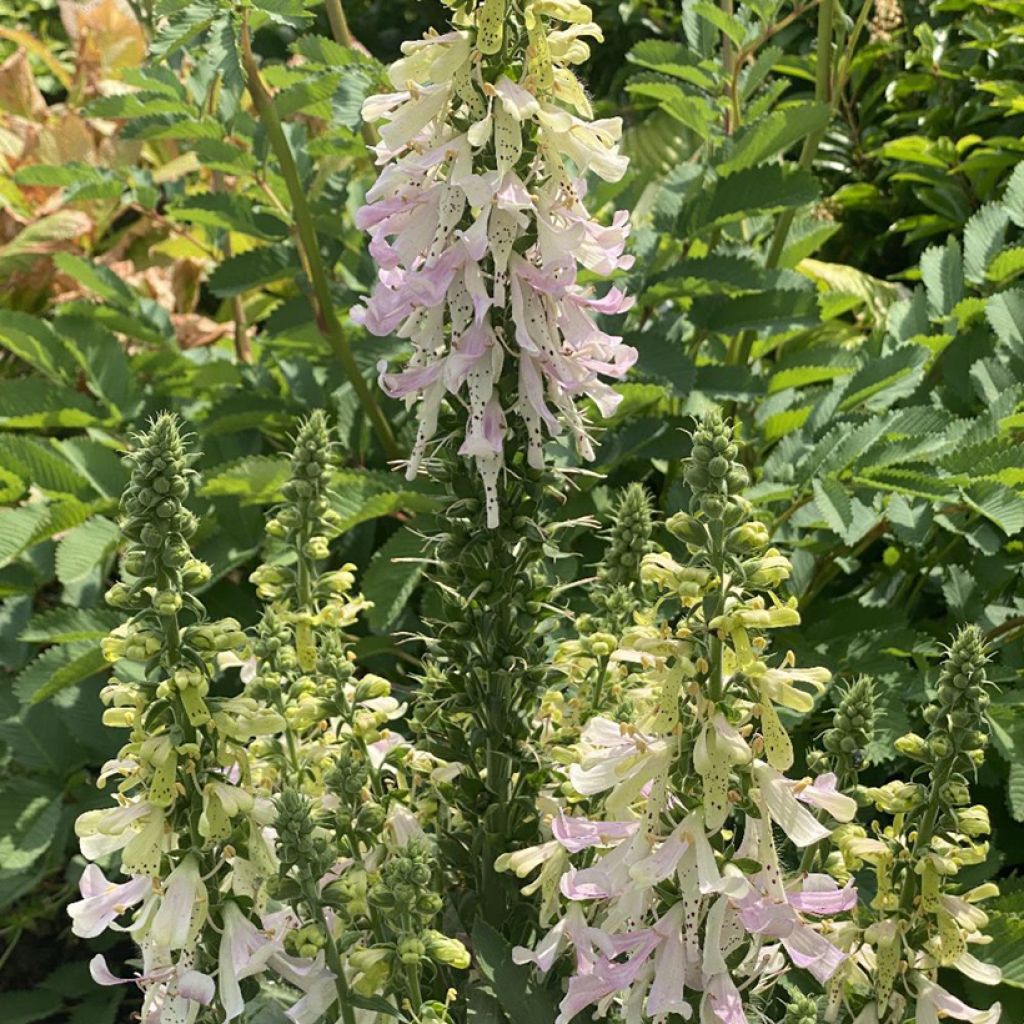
[282, 829]
[664, 875]
[922, 919]
[479, 228]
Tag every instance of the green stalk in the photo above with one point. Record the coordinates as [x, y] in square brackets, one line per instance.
[327, 320]
[343, 35]
[333, 958]
[823, 93]
[925, 830]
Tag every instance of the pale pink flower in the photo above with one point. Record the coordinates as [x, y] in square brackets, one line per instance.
[104, 901]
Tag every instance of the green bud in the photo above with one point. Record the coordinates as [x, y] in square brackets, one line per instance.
[444, 950]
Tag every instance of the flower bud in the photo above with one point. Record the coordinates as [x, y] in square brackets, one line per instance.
[447, 951]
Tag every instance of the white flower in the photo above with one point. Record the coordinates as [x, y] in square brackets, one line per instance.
[104, 901]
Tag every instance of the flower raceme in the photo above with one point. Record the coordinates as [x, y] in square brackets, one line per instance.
[478, 226]
[666, 873]
[253, 829]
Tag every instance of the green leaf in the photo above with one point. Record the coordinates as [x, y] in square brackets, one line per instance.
[33, 341]
[17, 526]
[772, 135]
[1005, 314]
[102, 359]
[998, 504]
[775, 311]
[521, 999]
[883, 380]
[85, 548]
[759, 189]
[97, 278]
[23, 1007]
[29, 814]
[33, 404]
[1007, 265]
[1006, 950]
[41, 465]
[256, 480]
[56, 669]
[983, 238]
[360, 495]
[728, 24]
[1013, 197]
[230, 212]
[943, 275]
[98, 463]
[69, 625]
[691, 111]
[391, 577]
[303, 95]
[672, 59]
[182, 26]
[251, 269]
[848, 517]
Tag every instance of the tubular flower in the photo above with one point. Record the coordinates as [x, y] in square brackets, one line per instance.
[203, 848]
[478, 226]
[679, 897]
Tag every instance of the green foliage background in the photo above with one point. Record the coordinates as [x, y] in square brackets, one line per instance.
[839, 269]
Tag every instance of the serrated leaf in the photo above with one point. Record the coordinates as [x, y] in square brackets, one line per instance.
[983, 238]
[256, 480]
[17, 525]
[101, 357]
[29, 814]
[1005, 314]
[726, 23]
[33, 341]
[691, 111]
[32, 404]
[883, 380]
[943, 275]
[98, 279]
[848, 517]
[772, 135]
[359, 495]
[85, 548]
[56, 669]
[391, 577]
[757, 189]
[183, 25]
[251, 269]
[1013, 197]
[775, 311]
[230, 212]
[70, 625]
[670, 58]
[41, 465]
[1006, 948]
[998, 504]
[303, 95]
[1007, 265]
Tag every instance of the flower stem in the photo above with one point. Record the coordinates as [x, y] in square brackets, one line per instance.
[309, 244]
[823, 93]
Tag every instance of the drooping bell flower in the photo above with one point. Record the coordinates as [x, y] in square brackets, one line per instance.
[478, 226]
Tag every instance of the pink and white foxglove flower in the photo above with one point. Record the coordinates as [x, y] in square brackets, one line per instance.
[103, 901]
[478, 234]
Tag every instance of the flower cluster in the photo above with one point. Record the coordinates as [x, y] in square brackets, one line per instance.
[921, 918]
[272, 830]
[478, 226]
[663, 873]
